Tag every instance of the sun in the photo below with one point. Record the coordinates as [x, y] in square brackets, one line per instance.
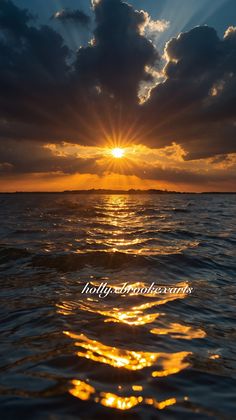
[117, 152]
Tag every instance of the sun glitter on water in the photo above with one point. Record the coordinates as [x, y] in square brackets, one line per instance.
[117, 152]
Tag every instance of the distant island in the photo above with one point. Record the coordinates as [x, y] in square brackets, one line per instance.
[131, 191]
[116, 192]
[98, 191]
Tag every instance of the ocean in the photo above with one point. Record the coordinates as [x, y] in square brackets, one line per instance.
[136, 355]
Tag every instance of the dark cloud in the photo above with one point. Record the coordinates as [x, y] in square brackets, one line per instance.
[12, 18]
[117, 59]
[47, 96]
[196, 104]
[72, 16]
[174, 174]
[30, 157]
[33, 65]
[35, 79]
[44, 95]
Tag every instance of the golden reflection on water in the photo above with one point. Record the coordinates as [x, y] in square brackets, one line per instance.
[119, 214]
[135, 315]
[81, 390]
[160, 364]
[131, 318]
[128, 359]
[118, 358]
[121, 403]
[137, 387]
[84, 391]
[179, 331]
[162, 404]
[214, 356]
[172, 363]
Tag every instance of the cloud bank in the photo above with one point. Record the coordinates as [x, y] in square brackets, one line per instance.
[48, 95]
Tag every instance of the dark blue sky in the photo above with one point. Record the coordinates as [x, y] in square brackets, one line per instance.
[182, 14]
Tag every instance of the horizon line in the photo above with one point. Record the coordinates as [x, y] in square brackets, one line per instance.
[117, 191]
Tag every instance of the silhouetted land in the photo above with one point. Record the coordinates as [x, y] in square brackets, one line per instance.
[108, 191]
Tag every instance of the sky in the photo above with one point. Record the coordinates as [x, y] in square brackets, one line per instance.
[156, 79]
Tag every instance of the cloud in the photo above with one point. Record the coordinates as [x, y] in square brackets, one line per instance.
[153, 28]
[117, 59]
[196, 104]
[47, 96]
[30, 157]
[179, 175]
[33, 62]
[167, 165]
[12, 18]
[72, 16]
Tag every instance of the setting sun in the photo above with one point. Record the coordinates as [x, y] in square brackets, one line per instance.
[117, 152]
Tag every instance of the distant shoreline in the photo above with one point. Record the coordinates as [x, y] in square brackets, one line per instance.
[116, 192]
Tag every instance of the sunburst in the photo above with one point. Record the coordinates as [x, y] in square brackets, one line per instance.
[117, 152]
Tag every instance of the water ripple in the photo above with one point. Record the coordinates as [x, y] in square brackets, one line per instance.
[146, 356]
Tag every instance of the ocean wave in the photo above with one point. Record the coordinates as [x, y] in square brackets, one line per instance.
[8, 254]
[73, 261]
[132, 356]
